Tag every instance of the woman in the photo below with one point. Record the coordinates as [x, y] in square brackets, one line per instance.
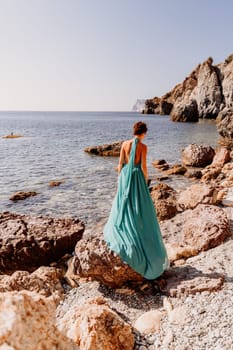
[132, 230]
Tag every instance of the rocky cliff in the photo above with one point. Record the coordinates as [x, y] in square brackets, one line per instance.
[206, 93]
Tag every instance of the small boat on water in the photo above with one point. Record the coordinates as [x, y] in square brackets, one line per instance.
[12, 136]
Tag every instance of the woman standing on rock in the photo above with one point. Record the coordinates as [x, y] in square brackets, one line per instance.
[132, 230]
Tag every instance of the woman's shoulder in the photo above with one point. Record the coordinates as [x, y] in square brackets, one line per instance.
[143, 146]
[126, 143]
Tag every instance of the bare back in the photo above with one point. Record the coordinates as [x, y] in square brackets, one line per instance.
[140, 155]
[127, 145]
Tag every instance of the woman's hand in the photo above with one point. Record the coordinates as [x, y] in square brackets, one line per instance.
[119, 167]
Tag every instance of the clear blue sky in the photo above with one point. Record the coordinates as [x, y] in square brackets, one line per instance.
[104, 54]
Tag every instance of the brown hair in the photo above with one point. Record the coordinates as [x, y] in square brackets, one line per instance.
[139, 128]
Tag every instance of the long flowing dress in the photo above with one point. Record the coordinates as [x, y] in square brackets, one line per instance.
[132, 229]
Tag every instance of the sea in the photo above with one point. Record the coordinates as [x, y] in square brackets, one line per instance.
[52, 148]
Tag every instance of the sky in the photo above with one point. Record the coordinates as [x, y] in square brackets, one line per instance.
[102, 55]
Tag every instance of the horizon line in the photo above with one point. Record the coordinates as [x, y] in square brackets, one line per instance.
[61, 111]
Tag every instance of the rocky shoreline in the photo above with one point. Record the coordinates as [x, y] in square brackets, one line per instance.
[63, 289]
[206, 93]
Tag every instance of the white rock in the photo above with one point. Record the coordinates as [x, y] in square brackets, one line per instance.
[179, 315]
[149, 322]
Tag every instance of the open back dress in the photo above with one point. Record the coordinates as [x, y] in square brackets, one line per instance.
[132, 229]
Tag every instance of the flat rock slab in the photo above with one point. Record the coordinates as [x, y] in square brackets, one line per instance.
[188, 280]
[195, 230]
[197, 194]
[177, 169]
[112, 149]
[27, 241]
[22, 195]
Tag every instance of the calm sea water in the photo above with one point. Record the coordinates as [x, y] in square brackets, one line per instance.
[52, 148]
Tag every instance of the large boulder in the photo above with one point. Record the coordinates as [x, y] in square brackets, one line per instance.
[225, 126]
[195, 230]
[93, 325]
[207, 228]
[95, 260]
[164, 199]
[45, 281]
[30, 241]
[200, 94]
[112, 149]
[28, 322]
[208, 92]
[197, 155]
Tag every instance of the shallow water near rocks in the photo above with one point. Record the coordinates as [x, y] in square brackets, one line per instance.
[52, 149]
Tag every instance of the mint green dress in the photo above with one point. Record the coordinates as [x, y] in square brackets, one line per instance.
[132, 229]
